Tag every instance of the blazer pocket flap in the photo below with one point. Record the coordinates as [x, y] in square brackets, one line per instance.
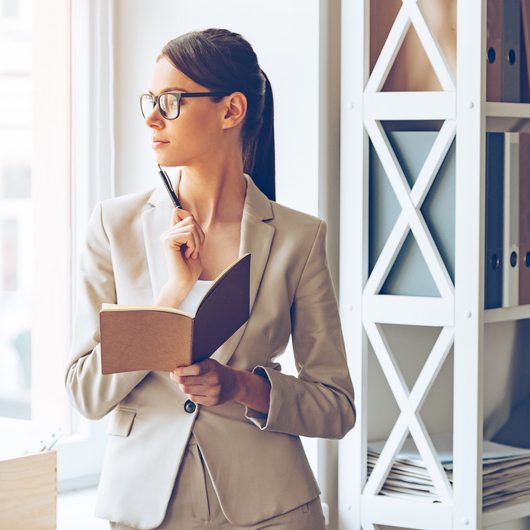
[120, 422]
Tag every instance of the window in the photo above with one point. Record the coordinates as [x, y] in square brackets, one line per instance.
[15, 309]
[10, 8]
[16, 181]
[15, 213]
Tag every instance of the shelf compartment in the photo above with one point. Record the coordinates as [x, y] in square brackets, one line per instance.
[507, 117]
[380, 509]
[506, 511]
[505, 314]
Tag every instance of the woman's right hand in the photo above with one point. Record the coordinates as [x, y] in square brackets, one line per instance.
[182, 242]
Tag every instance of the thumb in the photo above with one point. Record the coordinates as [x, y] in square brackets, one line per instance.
[178, 214]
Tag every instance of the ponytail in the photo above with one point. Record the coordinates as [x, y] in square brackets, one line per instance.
[262, 166]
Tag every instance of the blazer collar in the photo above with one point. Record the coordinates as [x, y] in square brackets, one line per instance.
[256, 238]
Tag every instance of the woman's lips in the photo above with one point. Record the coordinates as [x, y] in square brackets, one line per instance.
[158, 144]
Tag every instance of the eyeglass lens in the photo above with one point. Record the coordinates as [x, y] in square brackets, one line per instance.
[169, 105]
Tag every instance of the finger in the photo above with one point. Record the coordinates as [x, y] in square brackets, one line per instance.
[192, 242]
[195, 247]
[189, 220]
[179, 214]
[197, 231]
[205, 401]
[192, 369]
[199, 245]
[192, 379]
[182, 236]
[201, 233]
[196, 390]
[173, 232]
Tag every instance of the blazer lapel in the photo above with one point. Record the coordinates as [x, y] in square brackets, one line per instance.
[256, 238]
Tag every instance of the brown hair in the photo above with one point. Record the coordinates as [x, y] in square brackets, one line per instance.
[223, 61]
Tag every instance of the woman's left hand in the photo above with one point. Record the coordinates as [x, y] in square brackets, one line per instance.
[207, 382]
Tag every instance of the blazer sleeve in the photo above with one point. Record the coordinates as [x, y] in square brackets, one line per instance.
[320, 401]
[89, 391]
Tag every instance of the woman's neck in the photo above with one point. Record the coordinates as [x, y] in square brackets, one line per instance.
[213, 197]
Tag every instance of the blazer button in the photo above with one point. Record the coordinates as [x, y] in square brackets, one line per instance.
[190, 406]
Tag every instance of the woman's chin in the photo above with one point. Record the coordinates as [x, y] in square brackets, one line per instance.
[165, 160]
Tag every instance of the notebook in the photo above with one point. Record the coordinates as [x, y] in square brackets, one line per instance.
[162, 338]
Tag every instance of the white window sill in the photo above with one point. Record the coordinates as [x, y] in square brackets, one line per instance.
[75, 511]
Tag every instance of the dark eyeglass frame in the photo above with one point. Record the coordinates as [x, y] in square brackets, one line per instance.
[179, 96]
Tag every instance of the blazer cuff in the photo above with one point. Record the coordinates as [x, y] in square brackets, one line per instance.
[268, 421]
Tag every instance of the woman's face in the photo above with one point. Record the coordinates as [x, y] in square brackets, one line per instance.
[197, 134]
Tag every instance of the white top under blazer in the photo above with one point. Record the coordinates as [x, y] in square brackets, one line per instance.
[191, 303]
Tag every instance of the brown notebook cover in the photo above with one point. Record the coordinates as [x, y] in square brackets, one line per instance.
[162, 338]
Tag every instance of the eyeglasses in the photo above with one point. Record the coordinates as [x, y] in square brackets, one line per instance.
[169, 102]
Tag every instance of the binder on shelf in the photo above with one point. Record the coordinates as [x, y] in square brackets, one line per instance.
[494, 220]
[494, 46]
[511, 51]
[503, 41]
[510, 260]
[524, 218]
[516, 431]
[525, 51]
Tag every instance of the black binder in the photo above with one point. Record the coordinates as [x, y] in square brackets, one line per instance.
[524, 219]
[494, 212]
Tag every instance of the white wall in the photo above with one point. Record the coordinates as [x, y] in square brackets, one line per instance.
[284, 36]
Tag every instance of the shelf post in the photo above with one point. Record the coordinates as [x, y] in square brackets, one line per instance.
[469, 270]
[355, 21]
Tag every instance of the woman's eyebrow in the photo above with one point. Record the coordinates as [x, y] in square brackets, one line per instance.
[169, 88]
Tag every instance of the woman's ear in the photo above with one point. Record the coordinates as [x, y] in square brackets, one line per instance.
[235, 109]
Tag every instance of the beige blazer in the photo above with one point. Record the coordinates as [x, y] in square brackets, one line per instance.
[256, 461]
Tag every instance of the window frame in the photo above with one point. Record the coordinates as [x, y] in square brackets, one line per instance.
[73, 158]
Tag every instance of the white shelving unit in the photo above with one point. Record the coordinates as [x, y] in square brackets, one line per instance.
[458, 311]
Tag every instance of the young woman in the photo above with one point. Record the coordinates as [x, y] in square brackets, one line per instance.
[216, 444]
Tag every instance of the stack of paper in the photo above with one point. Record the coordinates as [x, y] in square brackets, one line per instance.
[505, 471]
[23, 437]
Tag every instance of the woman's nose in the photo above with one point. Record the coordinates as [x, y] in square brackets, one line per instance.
[154, 118]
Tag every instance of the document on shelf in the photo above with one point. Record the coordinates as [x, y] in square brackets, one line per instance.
[505, 470]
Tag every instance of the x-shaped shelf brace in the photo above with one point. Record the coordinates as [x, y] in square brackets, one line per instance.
[409, 404]
[410, 202]
[410, 218]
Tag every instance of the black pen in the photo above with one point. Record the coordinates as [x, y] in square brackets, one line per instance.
[169, 188]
